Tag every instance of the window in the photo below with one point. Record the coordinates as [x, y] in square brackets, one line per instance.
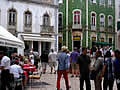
[119, 12]
[93, 19]
[28, 19]
[12, 17]
[0, 17]
[102, 2]
[93, 1]
[102, 20]
[60, 20]
[110, 40]
[110, 21]
[60, 1]
[76, 17]
[110, 3]
[46, 20]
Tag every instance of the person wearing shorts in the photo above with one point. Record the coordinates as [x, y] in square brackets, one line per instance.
[73, 60]
[52, 57]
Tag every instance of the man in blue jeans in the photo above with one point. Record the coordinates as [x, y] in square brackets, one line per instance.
[83, 63]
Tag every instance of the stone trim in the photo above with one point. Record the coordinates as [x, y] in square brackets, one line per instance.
[42, 3]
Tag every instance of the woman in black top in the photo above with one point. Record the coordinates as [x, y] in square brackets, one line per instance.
[44, 61]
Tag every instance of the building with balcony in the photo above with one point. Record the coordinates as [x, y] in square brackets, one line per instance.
[32, 21]
[86, 22]
[117, 10]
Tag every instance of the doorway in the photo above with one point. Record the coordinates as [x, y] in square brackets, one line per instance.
[45, 46]
[76, 44]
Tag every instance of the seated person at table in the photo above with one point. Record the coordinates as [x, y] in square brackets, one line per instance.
[27, 66]
[16, 70]
[26, 63]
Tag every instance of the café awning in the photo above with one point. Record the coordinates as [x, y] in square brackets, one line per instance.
[103, 43]
[9, 40]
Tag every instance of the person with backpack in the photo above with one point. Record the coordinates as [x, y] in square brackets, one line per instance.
[108, 72]
[117, 68]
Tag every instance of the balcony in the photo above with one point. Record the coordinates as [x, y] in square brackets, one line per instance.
[47, 30]
[11, 25]
[93, 28]
[102, 28]
[110, 28]
[76, 26]
[12, 28]
[27, 28]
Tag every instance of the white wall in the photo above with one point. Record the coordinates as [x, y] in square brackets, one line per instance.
[37, 13]
[37, 10]
[117, 4]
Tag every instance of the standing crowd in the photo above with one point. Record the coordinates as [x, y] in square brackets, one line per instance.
[97, 64]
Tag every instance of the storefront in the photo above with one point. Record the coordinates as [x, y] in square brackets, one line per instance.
[38, 43]
[76, 37]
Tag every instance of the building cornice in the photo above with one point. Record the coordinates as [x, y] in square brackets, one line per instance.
[36, 2]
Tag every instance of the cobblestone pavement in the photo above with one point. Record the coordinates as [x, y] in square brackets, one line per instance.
[48, 82]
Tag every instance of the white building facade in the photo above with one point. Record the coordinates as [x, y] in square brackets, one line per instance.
[33, 21]
[117, 6]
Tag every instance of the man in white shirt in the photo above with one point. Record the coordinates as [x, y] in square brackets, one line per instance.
[16, 70]
[52, 57]
[4, 68]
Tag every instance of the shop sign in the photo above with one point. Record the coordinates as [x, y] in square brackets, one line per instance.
[76, 38]
[102, 39]
[60, 39]
[93, 38]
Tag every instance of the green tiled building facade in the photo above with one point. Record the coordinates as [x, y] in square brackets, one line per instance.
[84, 23]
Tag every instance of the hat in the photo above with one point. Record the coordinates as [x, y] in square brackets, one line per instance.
[64, 48]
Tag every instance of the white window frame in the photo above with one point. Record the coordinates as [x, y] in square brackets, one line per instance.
[62, 18]
[79, 14]
[60, 1]
[95, 18]
[119, 12]
[109, 21]
[13, 20]
[28, 22]
[110, 3]
[48, 18]
[102, 2]
[100, 20]
[0, 16]
[93, 1]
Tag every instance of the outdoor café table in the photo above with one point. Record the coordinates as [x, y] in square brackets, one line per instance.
[30, 68]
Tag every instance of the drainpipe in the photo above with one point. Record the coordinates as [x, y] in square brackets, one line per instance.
[67, 23]
[86, 23]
